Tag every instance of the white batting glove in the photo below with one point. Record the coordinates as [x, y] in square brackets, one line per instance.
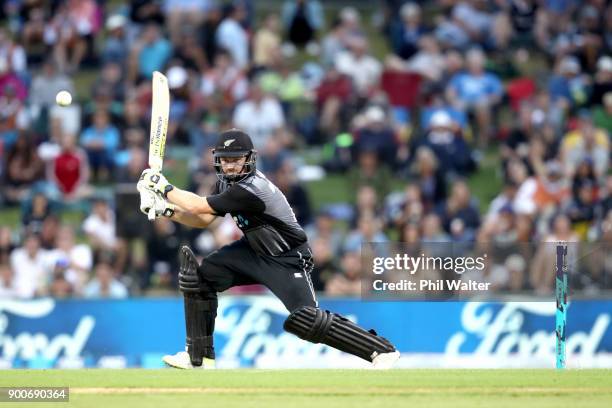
[154, 204]
[156, 181]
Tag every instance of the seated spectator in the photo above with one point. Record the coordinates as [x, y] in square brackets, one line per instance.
[426, 173]
[568, 86]
[10, 80]
[583, 208]
[332, 97]
[428, 61]
[35, 212]
[101, 141]
[433, 231]
[33, 35]
[47, 84]
[476, 91]
[542, 192]
[104, 284]
[362, 68]
[261, 116]
[370, 172]
[188, 52]
[23, 168]
[324, 229]
[149, 53]
[232, 37]
[267, 42]
[68, 172]
[116, 45]
[99, 227]
[285, 84]
[347, 282]
[444, 138]
[407, 32]
[13, 53]
[29, 264]
[301, 20]
[377, 135]
[585, 142]
[460, 206]
[73, 25]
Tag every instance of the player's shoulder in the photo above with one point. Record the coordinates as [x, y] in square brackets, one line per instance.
[258, 182]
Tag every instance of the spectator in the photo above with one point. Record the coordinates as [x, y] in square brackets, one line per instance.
[23, 168]
[13, 53]
[29, 264]
[68, 172]
[427, 174]
[346, 283]
[47, 84]
[13, 115]
[602, 84]
[543, 192]
[104, 284]
[267, 42]
[406, 33]
[477, 92]
[567, 87]
[182, 13]
[602, 115]
[233, 38]
[101, 141]
[370, 172]
[301, 20]
[116, 44]
[444, 138]
[162, 250]
[261, 116]
[77, 259]
[377, 135]
[6, 244]
[585, 142]
[324, 229]
[361, 67]
[296, 194]
[149, 53]
[460, 206]
[325, 267]
[100, 227]
[369, 229]
[333, 96]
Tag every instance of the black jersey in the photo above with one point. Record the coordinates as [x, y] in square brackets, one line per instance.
[261, 211]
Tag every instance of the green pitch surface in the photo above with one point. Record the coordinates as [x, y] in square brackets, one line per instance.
[322, 388]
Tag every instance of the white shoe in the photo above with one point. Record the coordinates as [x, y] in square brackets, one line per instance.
[181, 360]
[385, 361]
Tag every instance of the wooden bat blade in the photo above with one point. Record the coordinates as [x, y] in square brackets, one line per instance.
[160, 111]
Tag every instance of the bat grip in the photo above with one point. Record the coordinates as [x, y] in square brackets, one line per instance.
[151, 214]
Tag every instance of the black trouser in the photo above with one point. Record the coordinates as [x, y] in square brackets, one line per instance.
[286, 275]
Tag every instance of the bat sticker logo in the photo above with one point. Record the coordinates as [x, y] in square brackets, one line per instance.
[228, 142]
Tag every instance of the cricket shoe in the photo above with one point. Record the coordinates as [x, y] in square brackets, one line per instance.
[385, 361]
[181, 360]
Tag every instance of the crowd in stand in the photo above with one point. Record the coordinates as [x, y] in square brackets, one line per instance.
[405, 102]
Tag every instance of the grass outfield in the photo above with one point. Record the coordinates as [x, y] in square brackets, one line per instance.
[322, 388]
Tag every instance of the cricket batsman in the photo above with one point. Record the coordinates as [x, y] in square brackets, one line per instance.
[274, 251]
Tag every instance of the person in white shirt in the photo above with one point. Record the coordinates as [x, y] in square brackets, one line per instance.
[100, 226]
[362, 68]
[260, 116]
[29, 263]
[232, 37]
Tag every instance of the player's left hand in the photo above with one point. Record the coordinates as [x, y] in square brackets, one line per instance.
[151, 200]
[155, 181]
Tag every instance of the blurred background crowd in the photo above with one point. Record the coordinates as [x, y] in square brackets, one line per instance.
[454, 121]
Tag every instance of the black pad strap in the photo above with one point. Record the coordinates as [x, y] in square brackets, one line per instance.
[322, 326]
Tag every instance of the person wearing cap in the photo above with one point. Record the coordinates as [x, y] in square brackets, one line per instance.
[274, 251]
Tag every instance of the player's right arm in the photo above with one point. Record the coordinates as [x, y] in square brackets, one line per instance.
[190, 219]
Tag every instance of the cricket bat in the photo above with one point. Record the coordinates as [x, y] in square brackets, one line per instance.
[160, 110]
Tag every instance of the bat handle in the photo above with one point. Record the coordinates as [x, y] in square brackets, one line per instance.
[151, 214]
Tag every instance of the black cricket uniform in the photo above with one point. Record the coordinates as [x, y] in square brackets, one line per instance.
[274, 250]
